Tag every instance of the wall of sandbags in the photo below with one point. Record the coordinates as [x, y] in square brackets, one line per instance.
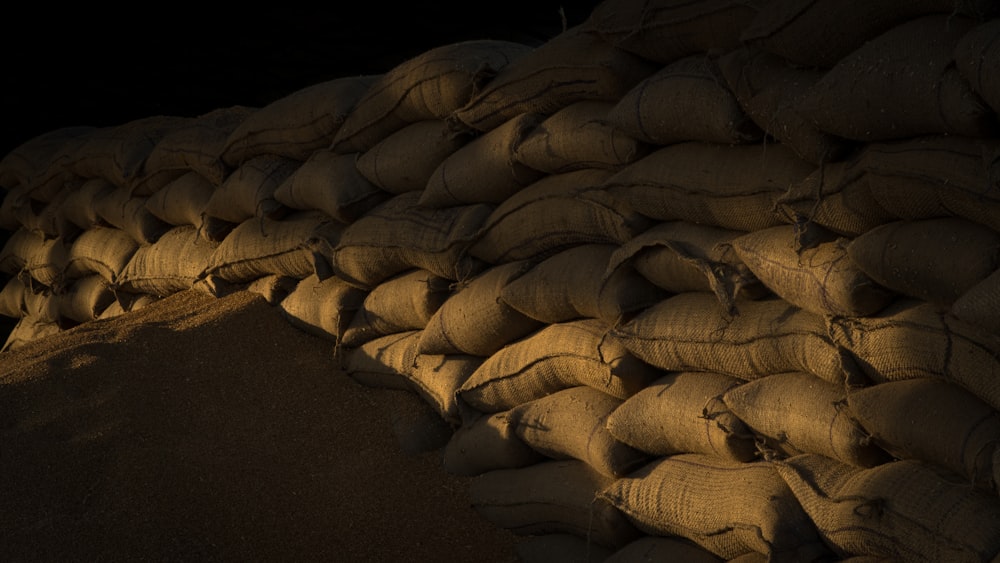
[705, 281]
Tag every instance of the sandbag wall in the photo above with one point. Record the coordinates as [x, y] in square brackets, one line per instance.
[697, 281]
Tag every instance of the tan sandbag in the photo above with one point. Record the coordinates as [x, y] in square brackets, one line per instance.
[273, 288]
[683, 412]
[551, 497]
[249, 191]
[126, 303]
[936, 176]
[662, 548]
[105, 251]
[728, 507]
[980, 304]
[79, 209]
[36, 260]
[572, 424]
[912, 338]
[485, 444]
[321, 307]
[29, 329]
[729, 186]
[820, 277]
[182, 201]
[406, 301]
[473, 320]
[575, 65]
[900, 84]
[295, 246]
[573, 284]
[29, 164]
[687, 100]
[580, 135]
[386, 362]
[437, 377]
[936, 260]
[405, 160]
[122, 209]
[903, 509]
[298, 123]
[19, 300]
[556, 548]
[429, 86]
[330, 182]
[557, 212]
[556, 357]
[976, 53]
[692, 332]
[768, 88]
[797, 412]
[485, 170]
[84, 299]
[173, 263]
[399, 234]
[12, 302]
[932, 420]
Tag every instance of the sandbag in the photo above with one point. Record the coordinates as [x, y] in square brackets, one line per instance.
[727, 507]
[173, 263]
[28, 255]
[322, 307]
[558, 496]
[298, 123]
[399, 234]
[976, 53]
[183, 201]
[687, 100]
[796, 413]
[980, 304]
[575, 65]
[932, 420]
[912, 338]
[122, 209]
[557, 212]
[414, 423]
[729, 186]
[78, 210]
[820, 277]
[386, 362]
[436, 379]
[40, 159]
[556, 357]
[473, 320]
[405, 160]
[431, 85]
[105, 251]
[683, 412]
[28, 329]
[83, 299]
[692, 332]
[249, 191]
[580, 135]
[485, 444]
[330, 182]
[936, 260]
[572, 424]
[485, 170]
[19, 300]
[406, 301]
[903, 509]
[572, 284]
[901, 84]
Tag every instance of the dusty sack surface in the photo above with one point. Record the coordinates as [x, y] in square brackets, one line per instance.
[211, 429]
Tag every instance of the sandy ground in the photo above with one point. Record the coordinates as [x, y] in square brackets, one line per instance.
[210, 429]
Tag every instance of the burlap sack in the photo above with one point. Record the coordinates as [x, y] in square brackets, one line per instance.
[796, 413]
[553, 548]
[405, 160]
[687, 100]
[249, 191]
[183, 201]
[12, 207]
[406, 301]
[821, 277]
[83, 299]
[936, 260]
[485, 444]
[34, 259]
[911, 339]
[330, 182]
[105, 251]
[436, 378]
[557, 357]
[386, 362]
[692, 332]
[935, 176]
[768, 88]
[399, 234]
[297, 124]
[45, 218]
[572, 284]
[727, 507]
[901, 84]
[294, 246]
[836, 196]
[171, 264]
[903, 509]
[932, 420]
[126, 303]
[29, 164]
[557, 212]
[729, 186]
[572, 424]
[79, 209]
[473, 320]
[580, 135]
[679, 256]
[980, 304]
[273, 287]
[122, 209]
[429, 86]
[683, 412]
[575, 65]
[322, 307]
[19, 299]
[414, 423]
[29, 329]
[976, 53]
[12, 303]
[551, 497]
[666, 31]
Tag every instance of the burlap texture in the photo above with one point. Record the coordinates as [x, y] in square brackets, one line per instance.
[173, 263]
[975, 54]
[182, 201]
[322, 307]
[36, 260]
[485, 444]
[100, 250]
[122, 209]
[436, 378]
[83, 299]
[249, 191]
[79, 209]
[980, 304]
[386, 362]
[406, 301]
[405, 160]
[331, 183]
